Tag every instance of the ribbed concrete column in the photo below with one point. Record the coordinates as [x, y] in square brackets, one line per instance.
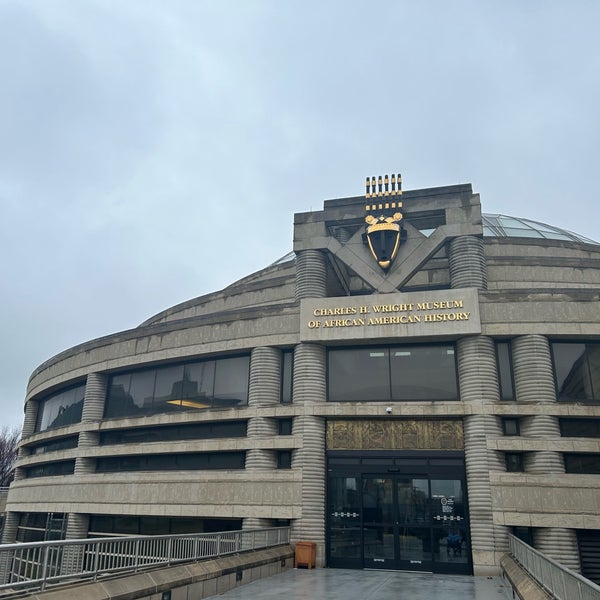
[31, 413]
[83, 465]
[559, 544]
[311, 274]
[534, 382]
[478, 379]
[309, 388]
[9, 536]
[11, 524]
[77, 529]
[265, 377]
[256, 523]
[95, 395]
[264, 390]
[467, 262]
[341, 234]
[77, 526]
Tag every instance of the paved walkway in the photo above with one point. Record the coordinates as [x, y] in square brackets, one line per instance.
[342, 584]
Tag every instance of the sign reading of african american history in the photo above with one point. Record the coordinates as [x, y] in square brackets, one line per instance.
[403, 315]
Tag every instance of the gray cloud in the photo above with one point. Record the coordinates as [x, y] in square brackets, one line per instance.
[132, 133]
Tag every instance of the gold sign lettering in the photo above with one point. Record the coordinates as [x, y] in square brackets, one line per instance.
[388, 314]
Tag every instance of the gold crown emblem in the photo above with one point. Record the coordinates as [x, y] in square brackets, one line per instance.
[383, 218]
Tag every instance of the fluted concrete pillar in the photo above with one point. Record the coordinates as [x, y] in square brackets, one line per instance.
[478, 378]
[534, 382]
[256, 523]
[309, 388]
[264, 390]
[311, 274]
[11, 525]
[31, 413]
[77, 526]
[9, 536]
[95, 396]
[84, 465]
[559, 544]
[77, 529]
[467, 262]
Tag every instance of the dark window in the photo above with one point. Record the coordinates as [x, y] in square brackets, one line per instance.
[401, 373]
[40, 527]
[231, 381]
[284, 459]
[107, 525]
[65, 443]
[510, 426]
[423, 373]
[60, 409]
[514, 462]
[580, 428]
[64, 467]
[285, 426]
[505, 372]
[359, 374]
[199, 385]
[582, 463]
[577, 371]
[172, 462]
[168, 433]
[287, 359]
[525, 534]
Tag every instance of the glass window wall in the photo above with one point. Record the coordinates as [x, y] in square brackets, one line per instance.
[400, 373]
[60, 409]
[221, 383]
[577, 371]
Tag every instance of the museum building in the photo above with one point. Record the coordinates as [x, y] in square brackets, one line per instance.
[412, 384]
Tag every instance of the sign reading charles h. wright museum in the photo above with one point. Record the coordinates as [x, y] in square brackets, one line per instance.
[405, 315]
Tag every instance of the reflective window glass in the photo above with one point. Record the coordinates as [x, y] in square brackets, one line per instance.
[514, 462]
[286, 377]
[580, 428]
[577, 371]
[60, 409]
[168, 389]
[141, 391]
[197, 385]
[401, 373]
[359, 374]
[510, 426]
[423, 373]
[588, 464]
[231, 381]
[505, 373]
[200, 383]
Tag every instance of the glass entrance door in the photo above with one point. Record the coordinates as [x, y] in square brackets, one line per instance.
[396, 528]
[414, 523]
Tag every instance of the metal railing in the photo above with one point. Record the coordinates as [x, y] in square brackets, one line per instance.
[556, 579]
[39, 564]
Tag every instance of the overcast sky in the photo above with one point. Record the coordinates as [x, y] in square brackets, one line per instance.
[155, 151]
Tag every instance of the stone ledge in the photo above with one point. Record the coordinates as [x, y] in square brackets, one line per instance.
[523, 585]
[144, 586]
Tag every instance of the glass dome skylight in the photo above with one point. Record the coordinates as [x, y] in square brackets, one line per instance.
[504, 226]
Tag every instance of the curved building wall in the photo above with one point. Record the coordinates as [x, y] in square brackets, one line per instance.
[497, 307]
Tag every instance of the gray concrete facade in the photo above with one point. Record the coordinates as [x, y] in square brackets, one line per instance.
[528, 292]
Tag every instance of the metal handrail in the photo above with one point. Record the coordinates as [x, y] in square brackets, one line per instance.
[555, 578]
[35, 565]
